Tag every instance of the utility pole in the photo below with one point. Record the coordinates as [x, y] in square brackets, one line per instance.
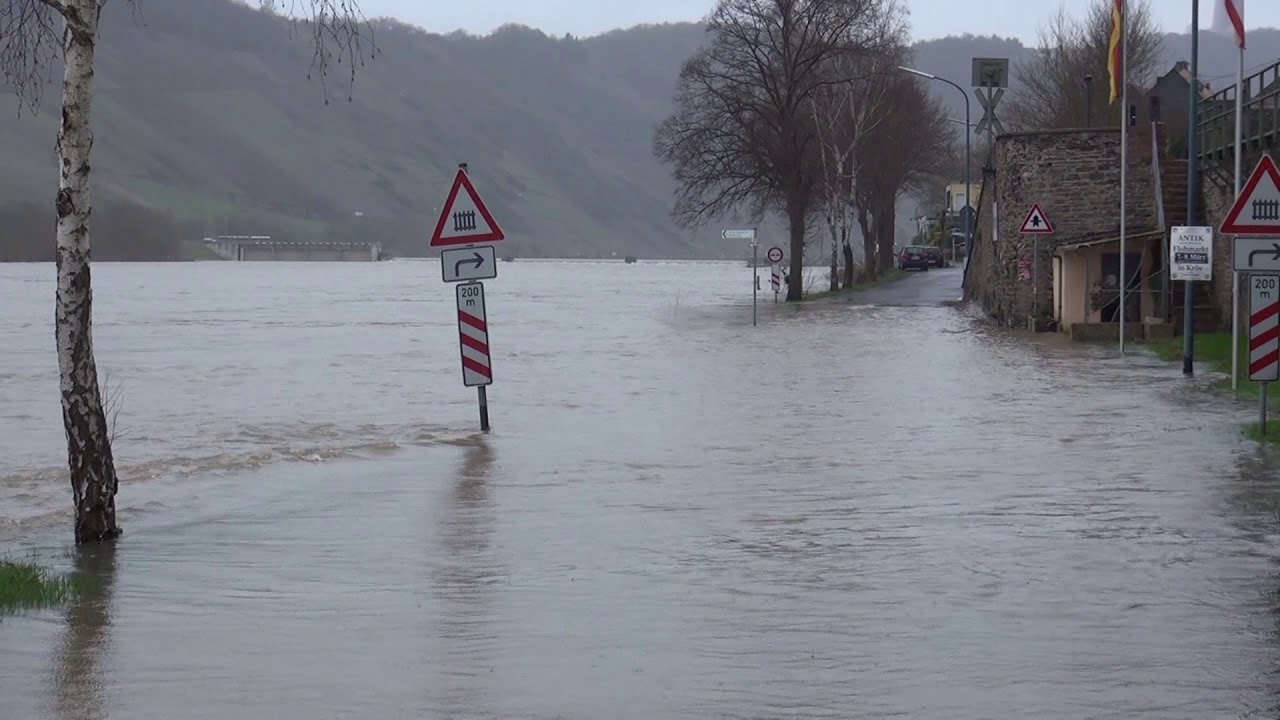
[1193, 177]
[1088, 100]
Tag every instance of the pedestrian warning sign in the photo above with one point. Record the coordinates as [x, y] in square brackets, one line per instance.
[1036, 222]
[464, 219]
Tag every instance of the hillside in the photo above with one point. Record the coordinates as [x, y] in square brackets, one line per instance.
[204, 110]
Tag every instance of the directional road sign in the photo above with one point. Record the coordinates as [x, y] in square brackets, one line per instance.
[991, 72]
[749, 234]
[467, 264]
[1264, 328]
[1036, 223]
[1257, 208]
[464, 219]
[775, 254]
[473, 335]
[1257, 254]
[989, 121]
[1191, 254]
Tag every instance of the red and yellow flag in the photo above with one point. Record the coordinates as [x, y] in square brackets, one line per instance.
[1115, 51]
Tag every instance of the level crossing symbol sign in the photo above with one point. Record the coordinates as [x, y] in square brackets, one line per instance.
[464, 218]
[1257, 208]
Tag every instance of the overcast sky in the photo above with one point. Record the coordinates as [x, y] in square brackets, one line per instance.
[930, 18]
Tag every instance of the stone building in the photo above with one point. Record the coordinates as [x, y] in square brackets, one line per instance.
[1069, 278]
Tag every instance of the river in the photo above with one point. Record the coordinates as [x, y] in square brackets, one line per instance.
[879, 508]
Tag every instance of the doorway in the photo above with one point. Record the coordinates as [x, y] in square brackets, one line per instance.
[1133, 291]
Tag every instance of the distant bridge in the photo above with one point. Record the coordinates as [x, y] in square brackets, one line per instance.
[262, 247]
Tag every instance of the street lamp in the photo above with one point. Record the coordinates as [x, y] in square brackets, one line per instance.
[968, 153]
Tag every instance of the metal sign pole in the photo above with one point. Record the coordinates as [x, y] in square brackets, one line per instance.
[755, 284]
[1035, 277]
[484, 408]
[1262, 410]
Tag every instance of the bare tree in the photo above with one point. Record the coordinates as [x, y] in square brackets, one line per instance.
[912, 143]
[1051, 90]
[33, 35]
[742, 132]
[844, 113]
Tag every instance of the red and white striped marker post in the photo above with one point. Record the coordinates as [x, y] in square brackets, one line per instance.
[1264, 336]
[776, 281]
[473, 343]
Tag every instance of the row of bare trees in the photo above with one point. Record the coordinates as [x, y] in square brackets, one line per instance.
[798, 107]
[1052, 91]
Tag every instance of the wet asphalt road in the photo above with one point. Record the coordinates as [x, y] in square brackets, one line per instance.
[916, 289]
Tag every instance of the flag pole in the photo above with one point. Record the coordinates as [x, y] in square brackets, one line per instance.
[1235, 13]
[1124, 159]
[1235, 276]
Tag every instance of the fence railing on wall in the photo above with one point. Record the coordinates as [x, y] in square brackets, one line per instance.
[1217, 122]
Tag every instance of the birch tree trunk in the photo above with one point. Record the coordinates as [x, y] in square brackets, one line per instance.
[93, 473]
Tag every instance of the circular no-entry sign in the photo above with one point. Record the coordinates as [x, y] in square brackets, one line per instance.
[775, 254]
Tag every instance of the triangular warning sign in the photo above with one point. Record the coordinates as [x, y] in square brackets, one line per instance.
[1036, 222]
[1257, 209]
[464, 219]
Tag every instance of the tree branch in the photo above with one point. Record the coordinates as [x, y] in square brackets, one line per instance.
[339, 33]
[30, 45]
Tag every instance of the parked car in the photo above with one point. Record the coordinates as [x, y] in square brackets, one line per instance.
[913, 256]
[935, 256]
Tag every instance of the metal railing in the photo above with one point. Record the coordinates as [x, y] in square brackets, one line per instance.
[1261, 114]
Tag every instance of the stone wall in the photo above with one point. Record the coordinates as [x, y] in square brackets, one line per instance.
[1217, 203]
[1075, 177]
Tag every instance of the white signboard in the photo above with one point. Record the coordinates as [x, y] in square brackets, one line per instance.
[738, 234]
[1264, 328]
[1257, 254]
[467, 264]
[1191, 254]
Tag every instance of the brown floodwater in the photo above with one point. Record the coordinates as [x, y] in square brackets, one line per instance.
[871, 509]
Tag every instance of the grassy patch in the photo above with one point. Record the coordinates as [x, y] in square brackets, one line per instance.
[1213, 350]
[1253, 432]
[26, 585]
[892, 275]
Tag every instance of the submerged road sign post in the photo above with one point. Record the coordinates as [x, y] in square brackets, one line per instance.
[465, 222]
[1264, 337]
[748, 234]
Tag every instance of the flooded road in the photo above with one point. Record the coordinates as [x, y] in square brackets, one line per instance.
[855, 510]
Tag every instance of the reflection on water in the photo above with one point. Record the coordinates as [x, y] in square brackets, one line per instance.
[82, 668]
[463, 577]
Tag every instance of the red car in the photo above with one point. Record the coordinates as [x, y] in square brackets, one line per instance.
[914, 256]
[936, 258]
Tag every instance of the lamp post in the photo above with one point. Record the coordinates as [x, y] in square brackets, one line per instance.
[1193, 175]
[968, 128]
[968, 153]
[1088, 100]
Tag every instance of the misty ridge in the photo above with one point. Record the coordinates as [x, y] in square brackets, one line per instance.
[206, 123]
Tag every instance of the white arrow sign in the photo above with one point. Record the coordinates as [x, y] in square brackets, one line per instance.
[465, 264]
[1257, 255]
[738, 234]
